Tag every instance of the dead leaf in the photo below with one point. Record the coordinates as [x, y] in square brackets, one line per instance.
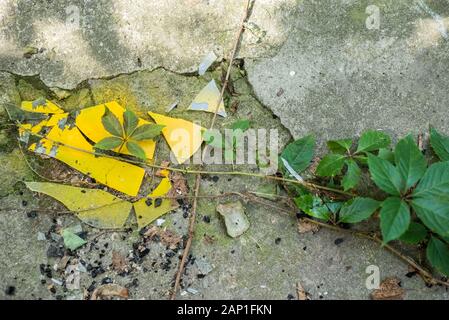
[305, 226]
[63, 262]
[314, 164]
[301, 293]
[167, 237]
[119, 262]
[389, 289]
[163, 172]
[108, 291]
[179, 187]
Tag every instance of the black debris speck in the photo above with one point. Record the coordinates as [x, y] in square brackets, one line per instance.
[157, 202]
[106, 280]
[32, 214]
[290, 297]
[411, 274]
[215, 178]
[206, 219]
[24, 203]
[10, 290]
[148, 202]
[338, 241]
[277, 240]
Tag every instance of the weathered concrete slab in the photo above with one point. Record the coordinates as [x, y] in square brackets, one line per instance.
[76, 40]
[338, 74]
[337, 79]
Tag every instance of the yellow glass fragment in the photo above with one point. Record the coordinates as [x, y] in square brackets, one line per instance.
[26, 129]
[41, 106]
[116, 174]
[150, 208]
[89, 122]
[92, 206]
[183, 137]
[207, 99]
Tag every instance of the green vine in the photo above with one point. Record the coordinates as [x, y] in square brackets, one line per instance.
[412, 190]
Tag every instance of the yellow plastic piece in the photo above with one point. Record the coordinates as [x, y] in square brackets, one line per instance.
[183, 137]
[92, 206]
[148, 213]
[89, 122]
[116, 174]
[41, 106]
[207, 99]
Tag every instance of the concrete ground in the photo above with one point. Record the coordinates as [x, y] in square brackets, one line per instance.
[332, 68]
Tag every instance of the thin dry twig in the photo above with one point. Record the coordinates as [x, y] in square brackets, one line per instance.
[189, 240]
[198, 176]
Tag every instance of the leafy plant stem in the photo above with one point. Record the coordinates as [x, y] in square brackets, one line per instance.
[203, 172]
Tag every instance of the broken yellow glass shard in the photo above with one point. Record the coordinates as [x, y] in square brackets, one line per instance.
[69, 146]
[89, 122]
[183, 137]
[41, 106]
[152, 207]
[92, 206]
[207, 100]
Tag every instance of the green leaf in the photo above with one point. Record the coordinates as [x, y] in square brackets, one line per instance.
[71, 240]
[135, 150]
[394, 218]
[372, 140]
[334, 207]
[111, 123]
[440, 144]
[438, 255]
[330, 165]
[435, 182]
[147, 131]
[299, 153]
[361, 159]
[130, 122]
[386, 154]
[109, 143]
[431, 198]
[415, 233]
[340, 146]
[352, 176]
[358, 210]
[410, 162]
[241, 124]
[385, 175]
[313, 206]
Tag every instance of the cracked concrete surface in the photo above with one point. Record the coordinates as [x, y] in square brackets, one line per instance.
[337, 78]
[76, 40]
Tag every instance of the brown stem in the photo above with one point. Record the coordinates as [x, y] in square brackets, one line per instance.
[189, 240]
[198, 174]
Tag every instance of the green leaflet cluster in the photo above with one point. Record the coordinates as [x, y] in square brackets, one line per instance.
[128, 134]
[415, 208]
